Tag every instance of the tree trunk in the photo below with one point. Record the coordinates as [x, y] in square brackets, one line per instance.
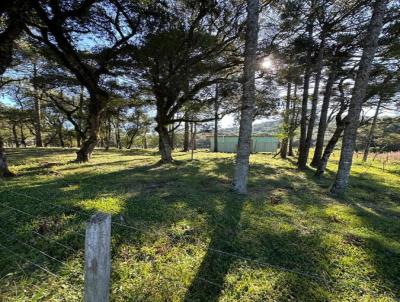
[145, 141]
[315, 98]
[330, 147]
[15, 136]
[359, 91]
[118, 132]
[284, 144]
[95, 109]
[23, 141]
[216, 119]
[186, 135]
[372, 130]
[302, 160]
[293, 121]
[164, 143]
[323, 120]
[4, 171]
[60, 134]
[247, 108]
[37, 110]
[108, 133]
[78, 136]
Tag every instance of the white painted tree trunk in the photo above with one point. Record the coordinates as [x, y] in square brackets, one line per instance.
[247, 108]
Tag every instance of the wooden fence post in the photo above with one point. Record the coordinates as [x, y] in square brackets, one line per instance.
[98, 258]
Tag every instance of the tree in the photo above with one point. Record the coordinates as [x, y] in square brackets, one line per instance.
[59, 26]
[350, 132]
[16, 15]
[248, 98]
[182, 59]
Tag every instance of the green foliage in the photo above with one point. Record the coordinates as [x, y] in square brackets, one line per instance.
[287, 220]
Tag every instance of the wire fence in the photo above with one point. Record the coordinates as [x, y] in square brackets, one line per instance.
[31, 248]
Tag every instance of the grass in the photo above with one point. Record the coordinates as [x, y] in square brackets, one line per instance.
[296, 242]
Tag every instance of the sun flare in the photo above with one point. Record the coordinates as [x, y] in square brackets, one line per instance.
[266, 63]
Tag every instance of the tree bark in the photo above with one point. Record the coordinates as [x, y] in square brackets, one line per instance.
[60, 134]
[108, 133]
[284, 144]
[118, 132]
[15, 135]
[216, 107]
[293, 121]
[95, 109]
[164, 143]
[247, 108]
[359, 91]
[23, 141]
[4, 171]
[186, 135]
[78, 135]
[315, 98]
[37, 110]
[330, 146]
[302, 160]
[323, 120]
[372, 130]
[145, 141]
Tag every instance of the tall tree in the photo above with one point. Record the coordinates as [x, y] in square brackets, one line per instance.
[248, 98]
[15, 14]
[59, 27]
[353, 117]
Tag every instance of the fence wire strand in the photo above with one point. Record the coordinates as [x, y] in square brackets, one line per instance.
[308, 275]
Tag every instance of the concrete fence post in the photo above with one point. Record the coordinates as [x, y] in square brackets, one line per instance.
[98, 258]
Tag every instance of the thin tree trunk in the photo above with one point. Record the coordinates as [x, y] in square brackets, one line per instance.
[302, 160]
[15, 135]
[195, 136]
[60, 134]
[23, 141]
[323, 121]
[330, 146]
[145, 141]
[359, 91]
[293, 121]
[37, 110]
[186, 135]
[216, 119]
[118, 130]
[284, 144]
[372, 130]
[247, 108]
[4, 171]
[108, 133]
[173, 138]
[315, 98]
[193, 140]
[78, 136]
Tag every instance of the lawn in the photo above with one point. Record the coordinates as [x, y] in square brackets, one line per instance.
[181, 234]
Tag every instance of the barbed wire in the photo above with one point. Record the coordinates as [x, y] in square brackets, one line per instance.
[212, 249]
[37, 217]
[33, 248]
[45, 237]
[27, 260]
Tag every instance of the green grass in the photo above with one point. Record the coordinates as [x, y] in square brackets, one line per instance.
[316, 247]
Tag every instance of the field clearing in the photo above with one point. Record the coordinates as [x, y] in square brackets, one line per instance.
[192, 238]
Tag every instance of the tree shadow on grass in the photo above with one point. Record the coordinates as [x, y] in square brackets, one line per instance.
[159, 198]
[212, 271]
